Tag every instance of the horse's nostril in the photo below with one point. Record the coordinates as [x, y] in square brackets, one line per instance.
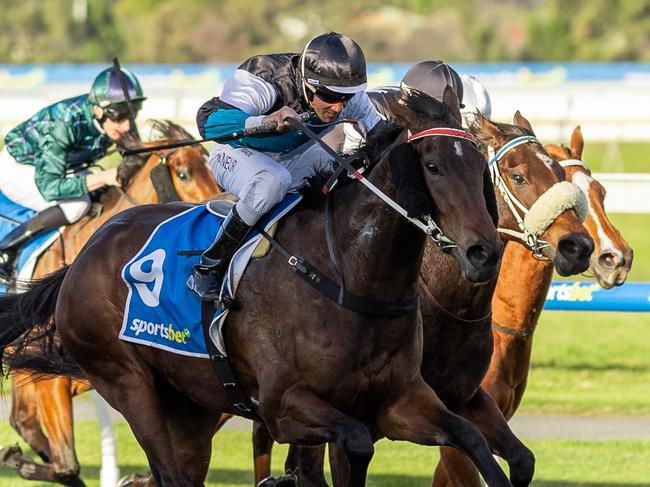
[576, 247]
[477, 254]
[609, 260]
[568, 247]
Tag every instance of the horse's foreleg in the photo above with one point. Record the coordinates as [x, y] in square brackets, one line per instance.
[304, 418]
[55, 412]
[13, 457]
[482, 411]
[420, 417]
[24, 415]
[338, 465]
[308, 461]
[262, 447]
[455, 470]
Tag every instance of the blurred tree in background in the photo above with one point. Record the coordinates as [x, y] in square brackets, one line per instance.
[177, 31]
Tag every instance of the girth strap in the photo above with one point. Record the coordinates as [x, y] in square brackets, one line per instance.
[329, 288]
[242, 406]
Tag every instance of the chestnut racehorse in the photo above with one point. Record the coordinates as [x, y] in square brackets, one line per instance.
[42, 410]
[456, 315]
[519, 299]
[317, 372]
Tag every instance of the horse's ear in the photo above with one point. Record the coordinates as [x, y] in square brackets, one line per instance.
[520, 120]
[487, 131]
[577, 143]
[407, 177]
[401, 113]
[555, 151]
[451, 100]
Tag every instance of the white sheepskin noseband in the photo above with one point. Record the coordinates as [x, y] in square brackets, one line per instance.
[555, 201]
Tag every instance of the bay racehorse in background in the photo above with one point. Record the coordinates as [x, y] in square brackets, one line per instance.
[42, 410]
[519, 299]
[316, 371]
[538, 211]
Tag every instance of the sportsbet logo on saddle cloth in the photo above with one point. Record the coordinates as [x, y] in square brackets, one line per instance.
[160, 309]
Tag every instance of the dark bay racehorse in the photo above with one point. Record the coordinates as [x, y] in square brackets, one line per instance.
[42, 410]
[317, 372]
[457, 331]
[519, 299]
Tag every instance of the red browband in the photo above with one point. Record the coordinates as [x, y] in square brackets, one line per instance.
[445, 132]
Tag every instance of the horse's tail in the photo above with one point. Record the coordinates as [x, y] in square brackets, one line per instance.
[27, 318]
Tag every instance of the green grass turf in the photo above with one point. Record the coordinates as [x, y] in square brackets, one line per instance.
[559, 463]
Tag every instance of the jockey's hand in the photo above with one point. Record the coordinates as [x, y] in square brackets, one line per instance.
[107, 177]
[280, 117]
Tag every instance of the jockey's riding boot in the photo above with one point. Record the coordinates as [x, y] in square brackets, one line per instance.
[49, 219]
[208, 274]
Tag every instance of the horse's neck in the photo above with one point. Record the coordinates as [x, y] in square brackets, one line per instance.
[518, 301]
[380, 251]
[521, 288]
[442, 278]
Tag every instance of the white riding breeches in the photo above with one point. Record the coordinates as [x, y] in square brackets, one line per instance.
[261, 180]
[17, 183]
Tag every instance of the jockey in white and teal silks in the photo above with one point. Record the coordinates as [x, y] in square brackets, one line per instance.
[43, 165]
[328, 78]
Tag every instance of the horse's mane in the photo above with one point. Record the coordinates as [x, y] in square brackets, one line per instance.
[166, 130]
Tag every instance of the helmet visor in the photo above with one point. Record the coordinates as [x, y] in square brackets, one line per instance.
[332, 97]
[120, 111]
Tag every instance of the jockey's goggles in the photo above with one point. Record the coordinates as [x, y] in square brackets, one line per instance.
[120, 112]
[329, 96]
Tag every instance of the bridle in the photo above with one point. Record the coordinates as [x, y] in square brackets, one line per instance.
[431, 228]
[558, 198]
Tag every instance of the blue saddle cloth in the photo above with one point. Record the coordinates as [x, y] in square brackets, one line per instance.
[12, 215]
[160, 310]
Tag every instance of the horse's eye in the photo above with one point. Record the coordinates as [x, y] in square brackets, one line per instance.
[182, 175]
[432, 167]
[518, 179]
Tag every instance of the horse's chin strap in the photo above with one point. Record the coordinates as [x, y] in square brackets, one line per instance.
[544, 211]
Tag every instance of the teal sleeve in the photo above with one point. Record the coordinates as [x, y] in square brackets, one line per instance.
[227, 121]
[50, 174]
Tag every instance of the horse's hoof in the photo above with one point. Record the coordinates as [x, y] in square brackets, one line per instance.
[11, 456]
[286, 481]
[132, 480]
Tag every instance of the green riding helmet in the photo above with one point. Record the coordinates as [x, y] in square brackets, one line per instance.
[107, 90]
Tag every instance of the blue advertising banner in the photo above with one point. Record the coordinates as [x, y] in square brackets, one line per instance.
[589, 296]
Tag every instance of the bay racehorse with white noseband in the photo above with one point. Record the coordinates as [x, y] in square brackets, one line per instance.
[316, 371]
[519, 299]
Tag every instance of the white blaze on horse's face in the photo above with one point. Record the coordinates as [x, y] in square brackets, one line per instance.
[546, 159]
[458, 147]
[584, 182]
